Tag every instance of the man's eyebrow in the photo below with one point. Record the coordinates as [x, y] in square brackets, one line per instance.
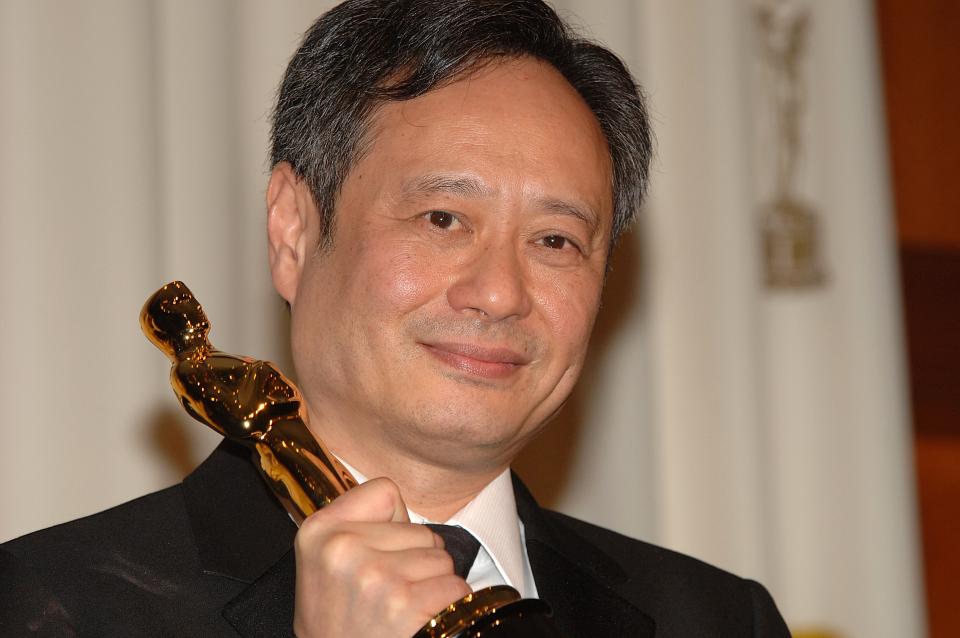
[583, 213]
[463, 185]
[474, 188]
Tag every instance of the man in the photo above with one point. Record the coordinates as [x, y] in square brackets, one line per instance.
[449, 177]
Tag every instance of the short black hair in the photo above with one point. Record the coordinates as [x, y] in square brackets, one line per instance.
[363, 53]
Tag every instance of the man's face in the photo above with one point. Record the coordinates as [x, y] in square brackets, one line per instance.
[449, 321]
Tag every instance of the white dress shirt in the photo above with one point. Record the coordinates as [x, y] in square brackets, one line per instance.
[492, 519]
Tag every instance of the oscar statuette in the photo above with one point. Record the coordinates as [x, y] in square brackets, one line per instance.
[252, 403]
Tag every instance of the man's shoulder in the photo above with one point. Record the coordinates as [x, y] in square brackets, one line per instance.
[637, 557]
[682, 593]
[133, 565]
[135, 525]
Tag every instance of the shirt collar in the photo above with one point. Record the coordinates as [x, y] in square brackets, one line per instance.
[492, 519]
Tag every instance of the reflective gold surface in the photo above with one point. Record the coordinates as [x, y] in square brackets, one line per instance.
[466, 612]
[253, 403]
[245, 400]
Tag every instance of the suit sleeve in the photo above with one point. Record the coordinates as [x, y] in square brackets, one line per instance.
[767, 621]
[27, 608]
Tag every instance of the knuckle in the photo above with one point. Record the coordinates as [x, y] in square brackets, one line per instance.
[399, 601]
[304, 542]
[341, 548]
[443, 560]
[454, 587]
[385, 485]
[313, 526]
[431, 538]
[334, 554]
[440, 592]
[371, 577]
[384, 493]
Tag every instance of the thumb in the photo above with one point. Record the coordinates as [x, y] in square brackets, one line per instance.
[376, 501]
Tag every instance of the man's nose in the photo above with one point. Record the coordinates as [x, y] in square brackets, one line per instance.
[492, 284]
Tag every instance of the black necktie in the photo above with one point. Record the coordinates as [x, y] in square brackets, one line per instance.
[460, 544]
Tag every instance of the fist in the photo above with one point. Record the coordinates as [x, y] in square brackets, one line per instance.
[364, 569]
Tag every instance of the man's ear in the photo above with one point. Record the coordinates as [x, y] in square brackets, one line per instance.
[291, 216]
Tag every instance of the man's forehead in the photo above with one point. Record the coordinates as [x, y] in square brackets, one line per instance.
[516, 106]
[496, 85]
[435, 182]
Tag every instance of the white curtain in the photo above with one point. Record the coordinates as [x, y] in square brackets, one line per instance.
[764, 432]
[132, 152]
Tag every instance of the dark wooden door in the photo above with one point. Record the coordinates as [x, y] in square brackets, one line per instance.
[920, 44]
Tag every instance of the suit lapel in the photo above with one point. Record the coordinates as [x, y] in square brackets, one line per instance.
[577, 579]
[242, 533]
[265, 608]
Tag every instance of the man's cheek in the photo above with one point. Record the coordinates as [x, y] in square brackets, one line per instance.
[569, 311]
[409, 280]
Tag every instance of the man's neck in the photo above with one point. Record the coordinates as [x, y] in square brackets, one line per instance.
[433, 490]
[436, 507]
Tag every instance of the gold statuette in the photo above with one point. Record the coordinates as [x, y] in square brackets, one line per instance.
[253, 403]
[245, 400]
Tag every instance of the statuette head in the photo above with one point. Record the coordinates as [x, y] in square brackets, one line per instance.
[174, 321]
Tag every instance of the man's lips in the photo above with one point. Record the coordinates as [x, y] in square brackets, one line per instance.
[491, 363]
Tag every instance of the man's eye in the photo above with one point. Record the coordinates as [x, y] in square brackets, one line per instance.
[557, 242]
[441, 219]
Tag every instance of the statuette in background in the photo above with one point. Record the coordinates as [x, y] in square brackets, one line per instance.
[790, 228]
[253, 403]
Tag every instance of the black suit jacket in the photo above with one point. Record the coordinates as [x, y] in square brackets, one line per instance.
[213, 557]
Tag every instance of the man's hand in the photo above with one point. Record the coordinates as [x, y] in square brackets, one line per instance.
[364, 570]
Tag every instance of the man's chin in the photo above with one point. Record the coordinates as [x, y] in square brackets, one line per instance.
[465, 439]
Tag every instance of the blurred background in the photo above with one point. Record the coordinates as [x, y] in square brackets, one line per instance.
[774, 381]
